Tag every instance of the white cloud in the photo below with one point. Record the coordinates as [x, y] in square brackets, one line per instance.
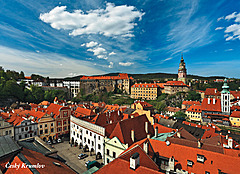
[91, 44]
[44, 64]
[112, 53]
[110, 65]
[97, 51]
[112, 21]
[83, 45]
[233, 31]
[126, 63]
[102, 57]
[219, 28]
[229, 49]
[220, 18]
[231, 16]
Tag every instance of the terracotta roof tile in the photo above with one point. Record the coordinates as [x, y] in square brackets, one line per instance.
[211, 107]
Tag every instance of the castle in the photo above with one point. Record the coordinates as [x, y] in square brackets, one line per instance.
[182, 71]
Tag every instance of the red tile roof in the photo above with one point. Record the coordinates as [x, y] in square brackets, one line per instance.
[175, 83]
[146, 85]
[211, 107]
[212, 91]
[44, 103]
[236, 94]
[35, 157]
[190, 102]
[143, 103]
[173, 109]
[163, 129]
[84, 112]
[235, 114]
[213, 160]
[20, 170]
[123, 129]
[195, 108]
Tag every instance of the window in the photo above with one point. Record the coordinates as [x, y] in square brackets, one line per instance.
[65, 122]
[51, 124]
[65, 128]
[92, 143]
[40, 126]
[41, 132]
[45, 125]
[59, 123]
[107, 151]
[25, 135]
[206, 172]
[99, 146]
[114, 154]
[85, 139]
[86, 132]
[78, 135]
[52, 129]
[73, 132]
[98, 137]
[59, 129]
[10, 131]
[108, 161]
[90, 133]
[20, 137]
[200, 158]
[46, 131]
[88, 141]
[190, 163]
[6, 133]
[22, 129]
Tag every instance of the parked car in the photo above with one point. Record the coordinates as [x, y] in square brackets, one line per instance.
[92, 164]
[82, 156]
[86, 163]
[49, 142]
[59, 140]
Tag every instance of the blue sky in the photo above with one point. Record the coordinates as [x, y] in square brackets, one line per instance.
[70, 37]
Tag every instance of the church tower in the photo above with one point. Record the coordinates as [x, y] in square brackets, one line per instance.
[225, 98]
[182, 71]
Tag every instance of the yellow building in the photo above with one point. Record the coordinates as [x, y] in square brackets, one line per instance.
[113, 148]
[46, 128]
[194, 113]
[147, 91]
[235, 118]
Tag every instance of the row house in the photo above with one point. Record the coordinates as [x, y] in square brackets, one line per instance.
[194, 113]
[187, 104]
[124, 134]
[172, 87]
[23, 127]
[61, 115]
[5, 127]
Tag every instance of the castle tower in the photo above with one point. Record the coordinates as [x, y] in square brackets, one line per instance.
[225, 98]
[182, 71]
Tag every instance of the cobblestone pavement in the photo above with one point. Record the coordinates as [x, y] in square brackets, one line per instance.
[70, 154]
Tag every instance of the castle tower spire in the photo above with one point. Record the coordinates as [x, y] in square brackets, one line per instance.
[225, 98]
[182, 71]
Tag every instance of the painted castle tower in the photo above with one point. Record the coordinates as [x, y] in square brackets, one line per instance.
[182, 71]
[225, 98]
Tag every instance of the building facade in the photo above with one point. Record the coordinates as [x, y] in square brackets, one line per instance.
[182, 71]
[6, 128]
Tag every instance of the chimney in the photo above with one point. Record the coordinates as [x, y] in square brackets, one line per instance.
[146, 127]
[199, 144]
[145, 147]
[134, 161]
[132, 135]
[178, 135]
[132, 116]
[226, 136]
[214, 101]
[230, 142]
[156, 132]
[148, 136]
[208, 100]
[215, 90]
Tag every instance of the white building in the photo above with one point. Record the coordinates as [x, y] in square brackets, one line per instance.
[87, 135]
[25, 129]
[225, 98]
[73, 86]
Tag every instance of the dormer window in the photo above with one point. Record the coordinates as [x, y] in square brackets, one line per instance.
[189, 163]
[200, 158]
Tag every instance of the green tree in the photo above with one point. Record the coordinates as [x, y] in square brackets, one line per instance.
[180, 115]
[193, 95]
[161, 106]
[38, 93]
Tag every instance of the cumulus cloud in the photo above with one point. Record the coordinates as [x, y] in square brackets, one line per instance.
[91, 44]
[126, 63]
[219, 28]
[233, 31]
[97, 50]
[110, 65]
[112, 53]
[111, 21]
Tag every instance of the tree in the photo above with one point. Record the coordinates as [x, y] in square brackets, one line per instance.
[180, 115]
[37, 93]
[161, 106]
[193, 95]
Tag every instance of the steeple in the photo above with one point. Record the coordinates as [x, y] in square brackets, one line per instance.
[182, 71]
[225, 98]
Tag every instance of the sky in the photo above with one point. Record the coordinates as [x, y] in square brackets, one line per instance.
[89, 37]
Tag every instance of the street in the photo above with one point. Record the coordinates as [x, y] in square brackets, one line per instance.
[70, 154]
